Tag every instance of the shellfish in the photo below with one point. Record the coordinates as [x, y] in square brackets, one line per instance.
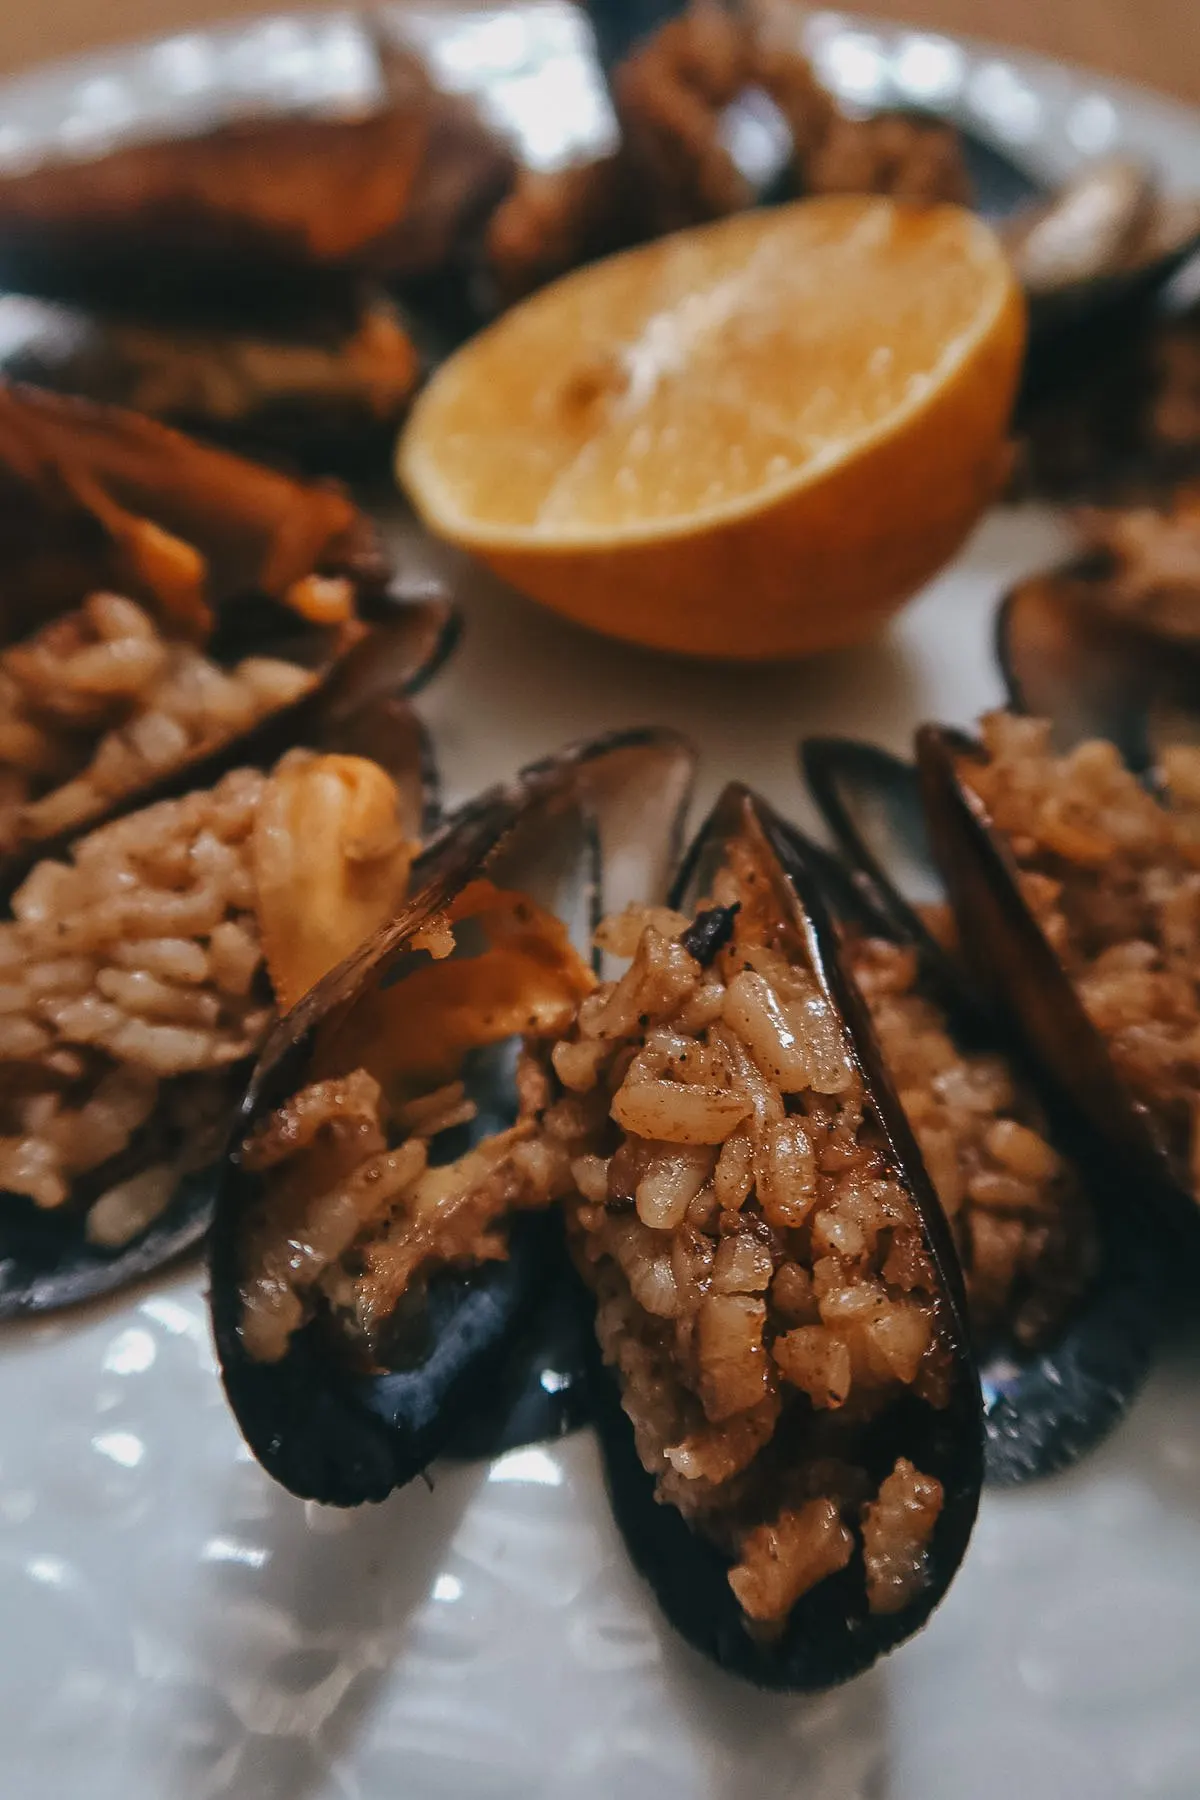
[143, 965]
[322, 385]
[169, 601]
[347, 1149]
[352, 1364]
[1067, 1336]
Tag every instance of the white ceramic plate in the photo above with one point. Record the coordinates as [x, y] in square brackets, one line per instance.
[173, 1627]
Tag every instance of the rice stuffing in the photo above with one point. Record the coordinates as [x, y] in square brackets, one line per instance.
[1111, 874]
[130, 982]
[99, 703]
[357, 1219]
[363, 1199]
[1022, 1224]
[763, 1288]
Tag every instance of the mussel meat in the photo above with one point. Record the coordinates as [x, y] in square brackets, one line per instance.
[1065, 1313]
[143, 967]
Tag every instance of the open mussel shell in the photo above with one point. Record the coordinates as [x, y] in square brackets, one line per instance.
[1066, 659]
[830, 1634]
[1043, 1408]
[47, 1260]
[1105, 241]
[1026, 984]
[870, 800]
[598, 821]
[97, 498]
[357, 707]
[369, 167]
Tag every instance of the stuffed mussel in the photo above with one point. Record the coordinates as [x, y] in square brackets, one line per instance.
[168, 602]
[380, 181]
[320, 383]
[789, 1413]
[232, 269]
[796, 1459]
[1094, 644]
[1075, 888]
[365, 1279]
[1069, 841]
[145, 961]
[1064, 1311]
[1102, 243]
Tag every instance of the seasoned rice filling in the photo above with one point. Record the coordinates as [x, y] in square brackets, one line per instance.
[359, 1206]
[1112, 876]
[1153, 553]
[357, 1220]
[100, 702]
[762, 1283]
[1022, 1225]
[130, 977]
[135, 975]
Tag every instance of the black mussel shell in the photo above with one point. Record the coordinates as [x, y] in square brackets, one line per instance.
[1104, 243]
[358, 707]
[621, 25]
[1043, 1409]
[320, 383]
[1066, 659]
[1027, 985]
[46, 1259]
[566, 831]
[870, 800]
[830, 1635]
[261, 194]
[1047, 1409]
[47, 1263]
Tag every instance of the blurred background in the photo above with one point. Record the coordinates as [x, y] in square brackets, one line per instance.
[1154, 41]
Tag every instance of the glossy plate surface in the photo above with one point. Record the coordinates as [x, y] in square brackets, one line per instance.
[176, 1626]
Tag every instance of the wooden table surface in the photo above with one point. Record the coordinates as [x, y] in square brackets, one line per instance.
[1154, 41]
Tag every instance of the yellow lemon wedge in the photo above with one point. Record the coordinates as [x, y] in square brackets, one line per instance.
[755, 439]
